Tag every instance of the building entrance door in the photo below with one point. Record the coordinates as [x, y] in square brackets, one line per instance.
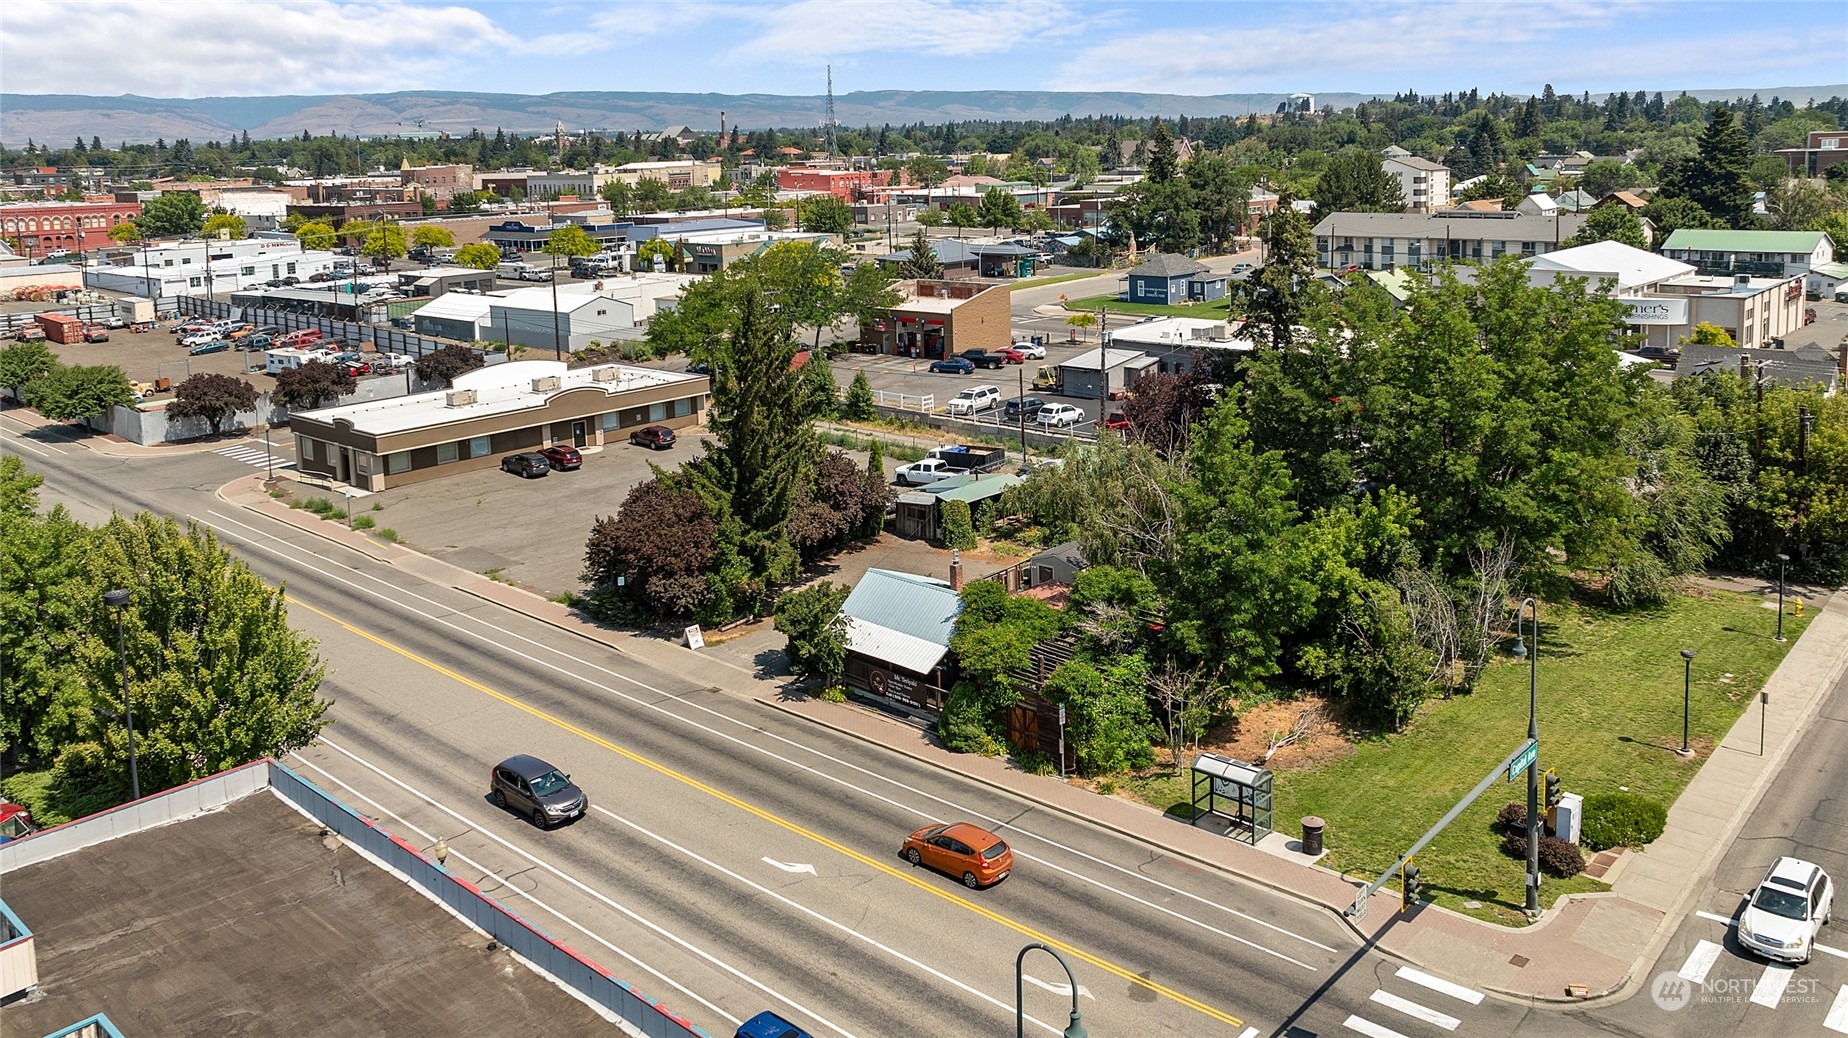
[578, 437]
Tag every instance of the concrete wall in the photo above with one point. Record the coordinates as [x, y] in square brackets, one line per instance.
[981, 323]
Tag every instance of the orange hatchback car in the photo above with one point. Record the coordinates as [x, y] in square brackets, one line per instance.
[976, 855]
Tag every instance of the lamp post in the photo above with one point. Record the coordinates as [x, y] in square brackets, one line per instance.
[117, 601]
[1530, 608]
[1073, 1030]
[1687, 684]
[1781, 560]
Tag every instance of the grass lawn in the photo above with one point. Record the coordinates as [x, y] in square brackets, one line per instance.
[1609, 715]
[1213, 311]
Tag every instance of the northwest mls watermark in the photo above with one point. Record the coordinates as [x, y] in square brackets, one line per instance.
[1672, 991]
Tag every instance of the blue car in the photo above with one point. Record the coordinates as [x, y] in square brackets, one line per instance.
[216, 346]
[769, 1025]
[952, 366]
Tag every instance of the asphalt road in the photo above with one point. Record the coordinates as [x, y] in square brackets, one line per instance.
[1805, 815]
[737, 858]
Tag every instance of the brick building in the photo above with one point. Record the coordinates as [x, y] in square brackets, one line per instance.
[43, 228]
[938, 318]
[438, 182]
[848, 185]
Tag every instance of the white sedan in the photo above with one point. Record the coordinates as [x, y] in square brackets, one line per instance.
[1782, 915]
[1055, 415]
[1029, 350]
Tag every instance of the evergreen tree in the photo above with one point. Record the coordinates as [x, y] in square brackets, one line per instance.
[921, 263]
[1717, 179]
[1162, 164]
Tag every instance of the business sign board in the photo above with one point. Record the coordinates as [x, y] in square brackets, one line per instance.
[1655, 310]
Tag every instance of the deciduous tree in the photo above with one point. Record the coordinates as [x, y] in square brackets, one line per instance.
[441, 366]
[479, 255]
[384, 240]
[79, 393]
[23, 362]
[305, 387]
[430, 236]
[659, 543]
[213, 397]
[172, 214]
[1611, 223]
[225, 225]
[316, 234]
[811, 620]
[825, 214]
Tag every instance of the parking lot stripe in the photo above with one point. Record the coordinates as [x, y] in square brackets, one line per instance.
[1837, 1020]
[1369, 1028]
[1423, 979]
[1771, 984]
[1700, 960]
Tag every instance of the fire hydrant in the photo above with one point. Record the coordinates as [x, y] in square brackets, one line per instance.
[1799, 606]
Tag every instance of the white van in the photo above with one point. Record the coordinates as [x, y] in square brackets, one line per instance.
[974, 399]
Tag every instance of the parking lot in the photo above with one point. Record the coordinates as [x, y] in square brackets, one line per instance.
[148, 356]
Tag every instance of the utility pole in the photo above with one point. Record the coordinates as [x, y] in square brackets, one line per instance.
[1103, 365]
[1021, 376]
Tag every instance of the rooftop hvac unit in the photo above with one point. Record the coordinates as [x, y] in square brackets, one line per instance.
[547, 384]
[459, 398]
[607, 373]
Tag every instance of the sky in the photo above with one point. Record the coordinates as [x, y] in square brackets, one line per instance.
[197, 48]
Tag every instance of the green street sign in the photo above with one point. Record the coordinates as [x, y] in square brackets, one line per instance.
[1521, 763]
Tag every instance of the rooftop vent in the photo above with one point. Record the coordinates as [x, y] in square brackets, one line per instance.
[607, 373]
[547, 384]
[459, 398]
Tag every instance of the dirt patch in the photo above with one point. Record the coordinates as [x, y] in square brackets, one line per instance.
[1248, 736]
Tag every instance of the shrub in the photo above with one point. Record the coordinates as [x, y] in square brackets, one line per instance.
[364, 522]
[958, 526]
[1621, 820]
[834, 694]
[1514, 845]
[1512, 818]
[963, 725]
[388, 534]
[1560, 858]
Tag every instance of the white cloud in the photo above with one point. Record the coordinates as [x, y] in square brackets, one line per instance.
[203, 48]
[822, 30]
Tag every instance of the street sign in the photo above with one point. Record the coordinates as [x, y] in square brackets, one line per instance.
[1519, 764]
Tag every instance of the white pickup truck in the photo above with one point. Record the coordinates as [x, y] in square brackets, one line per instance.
[924, 472]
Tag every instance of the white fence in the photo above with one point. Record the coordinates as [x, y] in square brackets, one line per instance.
[924, 404]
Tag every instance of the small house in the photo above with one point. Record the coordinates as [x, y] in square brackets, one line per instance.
[898, 636]
[1172, 278]
[920, 511]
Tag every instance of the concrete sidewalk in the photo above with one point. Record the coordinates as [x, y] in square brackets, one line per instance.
[1589, 946]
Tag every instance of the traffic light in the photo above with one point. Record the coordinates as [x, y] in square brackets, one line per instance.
[1410, 888]
[1552, 788]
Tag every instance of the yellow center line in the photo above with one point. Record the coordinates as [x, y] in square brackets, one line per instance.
[783, 823]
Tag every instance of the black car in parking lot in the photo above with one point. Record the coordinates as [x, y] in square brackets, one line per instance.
[1023, 407]
[526, 466]
[537, 790]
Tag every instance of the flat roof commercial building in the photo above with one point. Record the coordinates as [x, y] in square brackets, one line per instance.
[1383, 241]
[205, 268]
[938, 318]
[1667, 298]
[489, 413]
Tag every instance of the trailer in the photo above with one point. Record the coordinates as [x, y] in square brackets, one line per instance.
[969, 457]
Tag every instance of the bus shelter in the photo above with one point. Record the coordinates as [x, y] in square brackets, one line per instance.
[1232, 790]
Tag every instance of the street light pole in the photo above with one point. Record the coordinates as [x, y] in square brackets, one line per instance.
[1781, 560]
[1073, 1030]
[558, 349]
[117, 601]
[1531, 608]
[1687, 684]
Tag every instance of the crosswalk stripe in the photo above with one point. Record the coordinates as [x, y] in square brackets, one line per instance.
[1369, 1028]
[1423, 979]
[1413, 1009]
[1249, 1032]
[1700, 960]
[1837, 1020]
[1771, 984]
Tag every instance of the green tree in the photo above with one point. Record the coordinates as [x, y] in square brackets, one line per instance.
[24, 362]
[927, 170]
[125, 232]
[225, 225]
[1162, 164]
[816, 630]
[213, 397]
[1494, 185]
[44, 559]
[315, 234]
[1109, 727]
[859, 404]
[384, 240]
[79, 393]
[1035, 220]
[960, 215]
[825, 214]
[430, 236]
[1708, 334]
[172, 214]
[18, 487]
[1355, 181]
[570, 240]
[217, 676]
[1671, 214]
[1219, 194]
[479, 255]
[958, 526]
[1280, 291]
[930, 216]
[441, 366]
[1611, 222]
[465, 202]
[920, 262]
[657, 249]
[1717, 179]
[999, 209]
[1603, 176]
[1078, 321]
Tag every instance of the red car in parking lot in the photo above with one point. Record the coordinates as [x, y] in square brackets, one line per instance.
[1012, 356]
[1116, 421]
[654, 437]
[563, 457]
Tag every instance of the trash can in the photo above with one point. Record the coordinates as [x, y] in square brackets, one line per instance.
[1312, 835]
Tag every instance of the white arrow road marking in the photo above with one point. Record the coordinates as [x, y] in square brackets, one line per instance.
[1058, 989]
[810, 869]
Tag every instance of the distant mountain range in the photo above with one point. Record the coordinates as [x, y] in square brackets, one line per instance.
[58, 119]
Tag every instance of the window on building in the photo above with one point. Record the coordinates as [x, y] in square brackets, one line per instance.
[611, 421]
[195, 281]
[479, 447]
[447, 452]
[247, 271]
[657, 412]
[399, 462]
[307, 449]
[291, 268]
[683, 407]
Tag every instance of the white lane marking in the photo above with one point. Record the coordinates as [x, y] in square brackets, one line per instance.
[39, 449]
[1058, 989]
[1771, 984]
[956, 809]
[1369, 1028]
[1416, 1011]
[811, 913]
[1249, 1032]
[1837, 1020]
[472, 826]
[1731, 922]
[1728, 920]
[1424, 979]
[1700, 960]
[810, 869]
